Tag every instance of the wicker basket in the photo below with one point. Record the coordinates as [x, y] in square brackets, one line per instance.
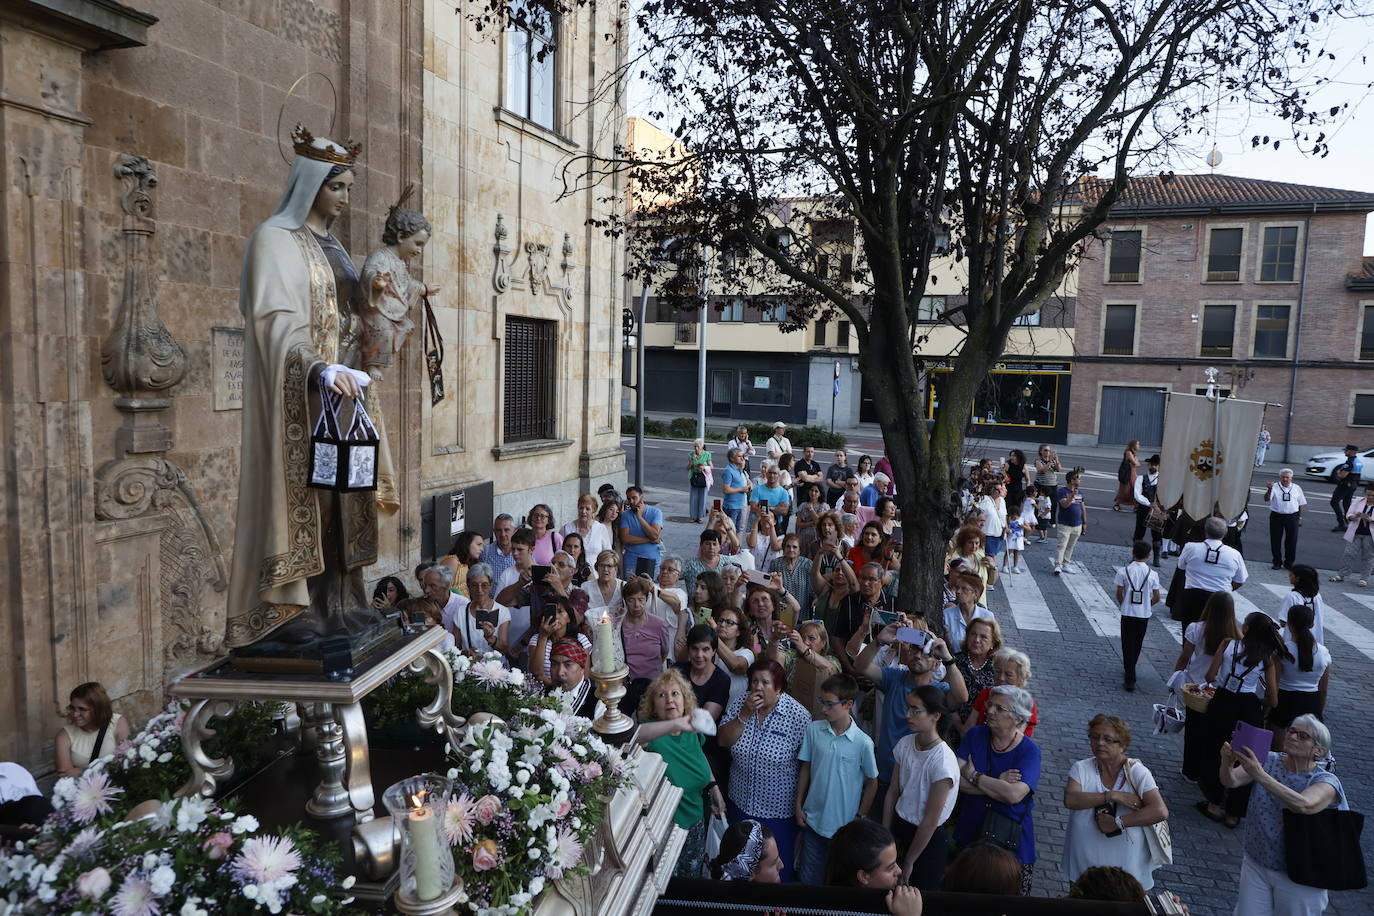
[1195, 701]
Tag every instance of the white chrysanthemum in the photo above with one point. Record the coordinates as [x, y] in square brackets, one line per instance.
[135, 898]
[460, 820]
[82, 843]
[191, 813]
[266, 860]
[92, 797]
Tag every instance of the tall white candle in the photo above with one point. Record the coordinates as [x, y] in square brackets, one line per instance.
[603, 644]
[427, 845]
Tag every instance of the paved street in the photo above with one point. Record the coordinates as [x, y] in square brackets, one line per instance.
[1075, 652]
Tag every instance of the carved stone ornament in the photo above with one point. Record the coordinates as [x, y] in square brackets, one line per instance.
[140, 356]
[537, 255]
[500, 272]
[567, 264]
[143, 485]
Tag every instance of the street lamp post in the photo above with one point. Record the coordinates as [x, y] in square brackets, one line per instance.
[701, 340]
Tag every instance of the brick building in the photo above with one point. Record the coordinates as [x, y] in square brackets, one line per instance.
[1263, 280]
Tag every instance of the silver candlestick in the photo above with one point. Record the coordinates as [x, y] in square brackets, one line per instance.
[610, 690]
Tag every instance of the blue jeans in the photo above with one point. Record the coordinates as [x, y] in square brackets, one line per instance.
[812, 849]
[697, 503]
[994, 546]
[740, 517]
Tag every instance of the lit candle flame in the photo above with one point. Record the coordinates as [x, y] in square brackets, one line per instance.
[418, 799]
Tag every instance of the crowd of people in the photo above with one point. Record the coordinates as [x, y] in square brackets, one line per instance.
[824, 732]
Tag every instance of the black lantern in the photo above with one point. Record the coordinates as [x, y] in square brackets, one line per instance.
[343, 463]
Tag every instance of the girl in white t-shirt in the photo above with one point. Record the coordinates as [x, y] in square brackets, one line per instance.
[1201, 641]
[925, 786]
[1306, 591]
[1303, 679]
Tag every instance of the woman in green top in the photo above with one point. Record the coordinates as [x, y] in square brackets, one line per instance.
[667, 727]
[697, 465]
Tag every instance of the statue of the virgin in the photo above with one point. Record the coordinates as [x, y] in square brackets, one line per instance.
[298, 552]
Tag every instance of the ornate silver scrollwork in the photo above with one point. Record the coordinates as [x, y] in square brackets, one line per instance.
[439, 714]
[206, 771]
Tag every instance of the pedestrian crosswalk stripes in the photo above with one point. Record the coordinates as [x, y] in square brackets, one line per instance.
[1092, 599]
[1024, 599]
[1028, 607]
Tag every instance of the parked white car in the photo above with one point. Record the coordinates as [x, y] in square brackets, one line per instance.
[1324, 465]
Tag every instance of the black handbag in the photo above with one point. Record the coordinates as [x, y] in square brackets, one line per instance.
[698, 479]
[1000, 829]
[1323, 849]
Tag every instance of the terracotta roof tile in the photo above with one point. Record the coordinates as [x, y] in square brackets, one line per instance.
[1206, 192]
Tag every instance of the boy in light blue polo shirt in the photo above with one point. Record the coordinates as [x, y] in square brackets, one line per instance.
[838, 778]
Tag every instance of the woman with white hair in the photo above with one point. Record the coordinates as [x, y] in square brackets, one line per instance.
[1291, 781]
[698, 479]
[999, 773]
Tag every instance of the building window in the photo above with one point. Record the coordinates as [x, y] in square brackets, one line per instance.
[662, 311]
[819, 339]
[842, 334]
[823, 266]
[732, 309]
[531, 56]
[765, 387]
[1218, 330]
[531, 365]
[1118, 331]
[930, 308]
[1223, 254]
[1367, 334]
[1123, 261]
[1279, 254]
[1362, 411]
[771, 312]
[1271, 331]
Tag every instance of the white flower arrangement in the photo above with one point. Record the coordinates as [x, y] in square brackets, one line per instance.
[528, 797]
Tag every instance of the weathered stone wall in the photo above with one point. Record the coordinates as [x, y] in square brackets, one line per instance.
[117, 521]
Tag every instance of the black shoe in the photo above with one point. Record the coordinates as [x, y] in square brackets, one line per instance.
[1278, 566]
[1155, 564]
[1338, 528]
[1130, 686]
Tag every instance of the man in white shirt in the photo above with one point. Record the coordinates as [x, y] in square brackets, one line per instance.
[1137, 592]
[741, 442]
[1210, 566]
[436, 582]
[1286, 501]
[1145, 487]
[21, 804]
[779, 444]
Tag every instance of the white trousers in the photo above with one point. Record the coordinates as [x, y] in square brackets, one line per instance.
[1265, 892]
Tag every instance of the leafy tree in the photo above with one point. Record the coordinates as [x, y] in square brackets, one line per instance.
[891, 130]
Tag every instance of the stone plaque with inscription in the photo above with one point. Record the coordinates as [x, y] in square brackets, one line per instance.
[226, 365]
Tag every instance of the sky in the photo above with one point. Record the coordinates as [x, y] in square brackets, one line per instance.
[1349, 165]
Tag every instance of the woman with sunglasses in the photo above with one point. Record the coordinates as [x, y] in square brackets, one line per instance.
[1292, 781]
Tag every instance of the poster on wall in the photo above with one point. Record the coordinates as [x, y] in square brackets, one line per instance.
[457, 514]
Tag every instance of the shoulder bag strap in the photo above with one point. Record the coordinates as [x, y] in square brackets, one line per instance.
[100, 740]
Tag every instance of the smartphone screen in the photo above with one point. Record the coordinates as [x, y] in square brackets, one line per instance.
[716, 504]
[644, 566]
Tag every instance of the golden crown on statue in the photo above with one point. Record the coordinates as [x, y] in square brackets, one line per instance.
[306, 145]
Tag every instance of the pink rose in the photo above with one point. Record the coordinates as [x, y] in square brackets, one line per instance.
[93, 884]
[217, 846]
[488, 806]
[591, 770]
[485, 855]
[564, 807]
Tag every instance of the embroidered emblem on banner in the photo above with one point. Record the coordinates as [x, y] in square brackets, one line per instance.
[1205, 461]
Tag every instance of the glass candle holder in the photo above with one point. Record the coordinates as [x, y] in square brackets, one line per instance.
[418, 806]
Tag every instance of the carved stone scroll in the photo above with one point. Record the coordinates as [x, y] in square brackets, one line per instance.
[500, 272]
[140, 357]
[141, 485]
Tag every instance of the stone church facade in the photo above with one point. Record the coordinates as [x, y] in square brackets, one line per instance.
[138, 149]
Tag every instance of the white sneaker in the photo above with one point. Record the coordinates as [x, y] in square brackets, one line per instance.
[1067, 567]
[1018, 570]
[1058, 570]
